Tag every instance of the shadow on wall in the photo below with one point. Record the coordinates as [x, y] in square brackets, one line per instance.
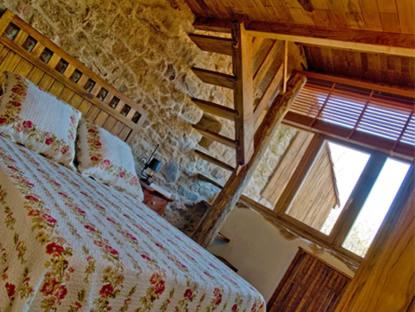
[210, 124]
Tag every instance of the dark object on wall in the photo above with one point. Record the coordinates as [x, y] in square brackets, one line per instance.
[210, 124]
[153, 164]
[308, 285]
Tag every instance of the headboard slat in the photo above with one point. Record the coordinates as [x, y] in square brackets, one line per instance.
[27, 52]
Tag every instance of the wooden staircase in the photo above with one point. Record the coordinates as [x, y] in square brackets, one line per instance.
[259, 75]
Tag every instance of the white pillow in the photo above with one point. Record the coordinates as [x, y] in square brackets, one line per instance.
[38, 120]
[106, 158]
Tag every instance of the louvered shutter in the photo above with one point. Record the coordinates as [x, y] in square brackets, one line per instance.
[368, 117]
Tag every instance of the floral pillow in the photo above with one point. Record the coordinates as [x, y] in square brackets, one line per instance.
[38, 120]
[106, 158]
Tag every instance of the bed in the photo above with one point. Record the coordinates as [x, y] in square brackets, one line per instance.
[70, 243]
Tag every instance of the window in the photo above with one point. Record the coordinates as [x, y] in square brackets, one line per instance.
[370, 116]
[327, 186]
[341, 193]
[349, 163]
[376, 206]
[343, 183]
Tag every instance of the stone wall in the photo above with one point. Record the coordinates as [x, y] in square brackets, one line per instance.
[141, 47]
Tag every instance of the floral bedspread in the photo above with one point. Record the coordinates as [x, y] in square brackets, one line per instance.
[69, 243]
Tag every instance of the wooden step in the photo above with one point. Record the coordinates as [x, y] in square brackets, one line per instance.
[215, 78]
[215, 136]
[216, 109]
[209, 180]
[213, 44]
[214, 160]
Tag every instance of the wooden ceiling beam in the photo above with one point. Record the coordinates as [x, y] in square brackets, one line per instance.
[213, 24]
[214, 160]
[216, 109]
[212, 44]
[216, 137]
[351, 39]
[215, 78]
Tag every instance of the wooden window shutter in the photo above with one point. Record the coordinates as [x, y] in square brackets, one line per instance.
[372, 118]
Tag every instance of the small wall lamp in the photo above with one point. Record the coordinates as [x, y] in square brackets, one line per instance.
[153, 164]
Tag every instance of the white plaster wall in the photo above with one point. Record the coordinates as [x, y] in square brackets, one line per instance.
[260, 252]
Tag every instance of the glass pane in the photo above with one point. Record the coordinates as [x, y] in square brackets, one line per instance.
[376, 206]
[327, 186]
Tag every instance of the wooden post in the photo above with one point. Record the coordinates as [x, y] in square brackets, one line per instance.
[284, 85]
[243, 92]
[227, 199]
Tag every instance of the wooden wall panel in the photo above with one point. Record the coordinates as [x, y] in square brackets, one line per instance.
[286, 166]
[377, 68]
[385, 280]
[309, 285]
[318, 193]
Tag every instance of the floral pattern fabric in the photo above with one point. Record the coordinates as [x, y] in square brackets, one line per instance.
[38, 120]
[70, 243]
[107, 159]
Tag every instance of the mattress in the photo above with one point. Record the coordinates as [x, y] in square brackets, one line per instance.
[69, 243]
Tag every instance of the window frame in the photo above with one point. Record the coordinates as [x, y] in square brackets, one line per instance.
[353, 205]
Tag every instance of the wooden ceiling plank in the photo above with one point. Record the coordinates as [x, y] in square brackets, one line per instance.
[215, 78]
[353, 13]
[194, 7]
[320, 4]
[336, 13]
[321, 18]
[212, 44]
[390, 22]
[387, 6]
[406, 10]
[204, 9]
[281, 11]
[214, 160]
[371, 15]
[215, 136]
[216, 109]
[301, 17]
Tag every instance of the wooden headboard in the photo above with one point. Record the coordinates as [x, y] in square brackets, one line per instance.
[26, 51]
